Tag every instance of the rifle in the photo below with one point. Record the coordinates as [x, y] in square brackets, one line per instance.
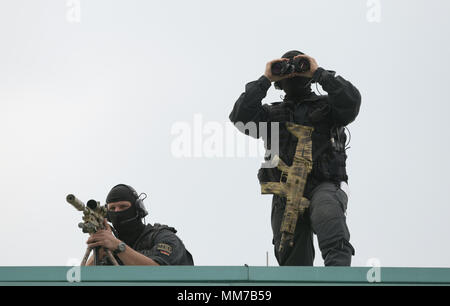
[292, 182]
[93, 217]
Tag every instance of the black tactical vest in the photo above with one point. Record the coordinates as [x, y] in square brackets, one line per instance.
[146, 242]
[328, 156]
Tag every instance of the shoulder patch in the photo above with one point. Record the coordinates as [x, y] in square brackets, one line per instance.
[164, 248]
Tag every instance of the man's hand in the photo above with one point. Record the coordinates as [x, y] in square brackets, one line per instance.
[103, 238]
[313, 66]
[273, 78]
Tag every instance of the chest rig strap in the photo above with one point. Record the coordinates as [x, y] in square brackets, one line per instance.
[293, 181]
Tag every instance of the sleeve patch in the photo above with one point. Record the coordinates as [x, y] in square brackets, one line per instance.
[164, 248]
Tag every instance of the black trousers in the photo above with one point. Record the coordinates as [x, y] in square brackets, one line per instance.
[325, 217]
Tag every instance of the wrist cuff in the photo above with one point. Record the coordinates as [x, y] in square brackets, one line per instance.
[317, 76]
[265, 82]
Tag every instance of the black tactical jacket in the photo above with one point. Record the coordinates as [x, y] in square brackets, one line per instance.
[325, 113]
[160, 243]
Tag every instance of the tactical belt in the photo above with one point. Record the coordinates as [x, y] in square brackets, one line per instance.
[293, 181]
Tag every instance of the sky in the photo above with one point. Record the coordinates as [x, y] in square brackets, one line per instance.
[93, 94]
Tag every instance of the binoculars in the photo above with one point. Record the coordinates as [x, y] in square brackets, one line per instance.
[299, 64]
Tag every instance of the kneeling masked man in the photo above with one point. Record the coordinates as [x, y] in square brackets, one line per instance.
[131, 240]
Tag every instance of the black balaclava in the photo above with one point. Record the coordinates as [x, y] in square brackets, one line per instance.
[297, 87]
[127, 223]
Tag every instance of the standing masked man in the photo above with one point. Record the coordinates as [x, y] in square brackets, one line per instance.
[133, 242]
[307, 172]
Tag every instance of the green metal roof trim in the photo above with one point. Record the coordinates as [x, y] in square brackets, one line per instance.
[223, 275]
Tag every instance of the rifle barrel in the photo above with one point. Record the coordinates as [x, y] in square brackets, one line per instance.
[78, 204]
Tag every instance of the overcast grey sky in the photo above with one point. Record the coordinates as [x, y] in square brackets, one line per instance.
[91, 102]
